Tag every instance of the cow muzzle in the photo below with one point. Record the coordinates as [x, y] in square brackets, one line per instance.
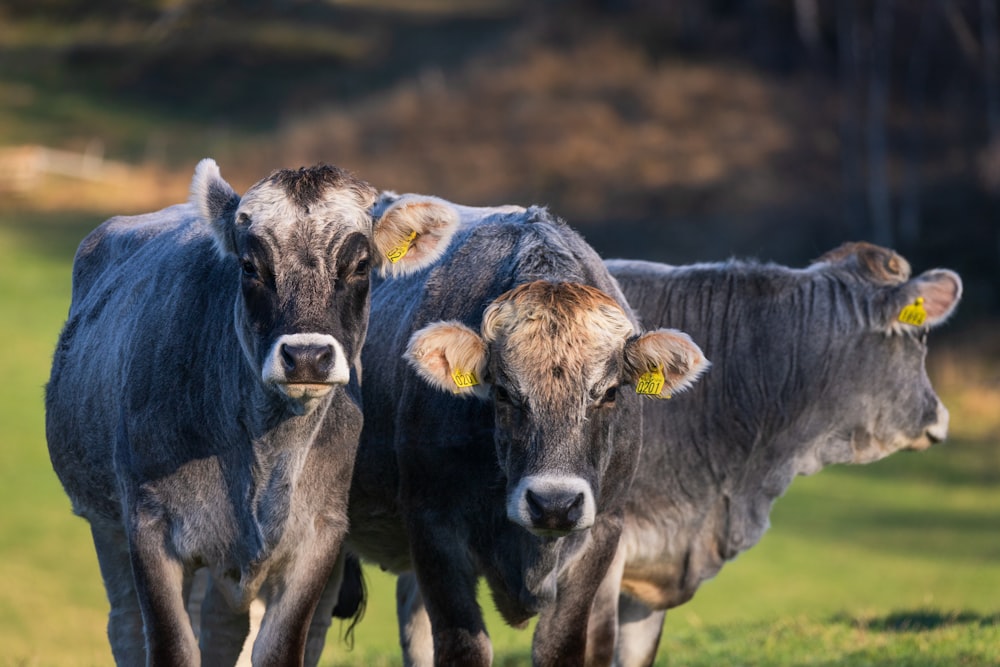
[306, 366]
[936, 432]
[552, 506]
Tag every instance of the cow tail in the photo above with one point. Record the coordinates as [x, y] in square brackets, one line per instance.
[352, 599]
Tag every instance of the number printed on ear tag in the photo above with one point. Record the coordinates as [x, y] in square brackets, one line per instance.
[651, 382]
[400, 251]
[914, 314]
[464, 379]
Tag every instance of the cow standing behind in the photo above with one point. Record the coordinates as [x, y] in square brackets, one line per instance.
[196, 414]
[524, 483]
[811, 367]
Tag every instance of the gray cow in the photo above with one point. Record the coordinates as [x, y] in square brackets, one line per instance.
[196, 413]
[514, 463]
[811, 367]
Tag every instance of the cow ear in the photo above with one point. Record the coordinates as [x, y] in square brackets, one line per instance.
[927, 300]
[663, 362]
[412, 232]
[216, 204]
[451, 357]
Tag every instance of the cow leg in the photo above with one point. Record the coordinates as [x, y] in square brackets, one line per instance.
[293, 597]
[415, 636]
[561, 634]
[323, 616]
[195, 587]
[447, 580]
[602, 631]
[128, 644]
[639, 633]
[223, 630]
[159, 581]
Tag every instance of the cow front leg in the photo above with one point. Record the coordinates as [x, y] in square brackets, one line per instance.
[294, 595]
[561, 634]
[223, 631]
[159, 583]
[128, 644]
[639, 632]
[323, 616]
[447, 581]
[602, 630]
[415, 635]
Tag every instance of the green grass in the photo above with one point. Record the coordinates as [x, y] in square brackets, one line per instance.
[896, 563]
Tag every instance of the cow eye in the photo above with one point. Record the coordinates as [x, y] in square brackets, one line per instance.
[609, 396]
[501, 394]
[248, 268]
[362, 267]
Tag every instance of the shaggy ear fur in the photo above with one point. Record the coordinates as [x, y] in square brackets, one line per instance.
[440, 350]
[940, 289]
[681, 361]
[216, 204]
[415, 230]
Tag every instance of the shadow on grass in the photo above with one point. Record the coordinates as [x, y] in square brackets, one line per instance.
[918, 620]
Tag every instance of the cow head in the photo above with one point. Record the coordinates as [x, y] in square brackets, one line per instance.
[879, 393]
[304, 244]
[552, 358]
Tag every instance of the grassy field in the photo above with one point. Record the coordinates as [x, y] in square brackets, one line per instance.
[896, 563]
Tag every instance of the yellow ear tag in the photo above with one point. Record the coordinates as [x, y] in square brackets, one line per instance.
[464, 379]
[400, 251]
[914, 314]
[651, 382]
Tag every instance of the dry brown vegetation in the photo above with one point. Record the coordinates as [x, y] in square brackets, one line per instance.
[652, 148]
[588, 128]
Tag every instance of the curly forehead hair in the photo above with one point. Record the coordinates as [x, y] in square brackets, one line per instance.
[554, 309]
[307, 185]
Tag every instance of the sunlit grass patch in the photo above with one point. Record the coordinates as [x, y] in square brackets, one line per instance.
[918, 638]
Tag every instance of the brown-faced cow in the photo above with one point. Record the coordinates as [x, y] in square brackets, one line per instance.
[514, 463]
[196, 413]
[811, 367]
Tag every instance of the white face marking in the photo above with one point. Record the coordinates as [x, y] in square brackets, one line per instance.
[564, 488]
[274, 368]
[269, 207]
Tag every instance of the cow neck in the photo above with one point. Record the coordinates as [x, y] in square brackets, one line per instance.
[757, 423]
[799, 436]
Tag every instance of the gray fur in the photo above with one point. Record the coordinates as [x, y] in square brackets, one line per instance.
[172, 441]
[434, 470]
[811, 367]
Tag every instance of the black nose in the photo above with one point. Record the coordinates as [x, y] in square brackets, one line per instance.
[307, 363]
[558, 511]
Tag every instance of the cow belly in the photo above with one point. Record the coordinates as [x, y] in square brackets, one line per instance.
[658, 586]
[667, 561]
[380, 538]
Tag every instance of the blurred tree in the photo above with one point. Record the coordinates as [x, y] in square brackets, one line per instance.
[916, 75]
[849, 61]
[880, 60]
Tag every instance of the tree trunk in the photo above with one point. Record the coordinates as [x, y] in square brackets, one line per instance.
[878, 96]
[848, 56]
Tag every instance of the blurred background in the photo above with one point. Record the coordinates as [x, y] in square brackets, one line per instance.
[680, 131]
[684, 130]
